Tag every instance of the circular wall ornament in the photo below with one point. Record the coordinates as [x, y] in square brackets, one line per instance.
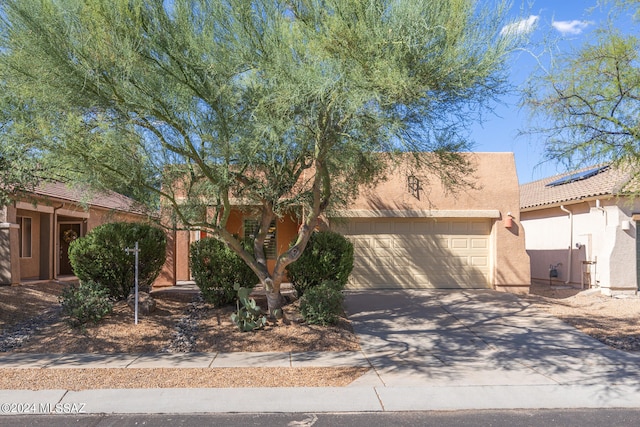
[69, 235]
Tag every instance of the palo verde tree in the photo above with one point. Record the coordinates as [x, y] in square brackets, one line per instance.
[587, 103]
[278, 105]
[21, 167]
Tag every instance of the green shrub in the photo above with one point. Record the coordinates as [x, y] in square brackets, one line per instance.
[88, 302]
[216, 268]
[100, 256]
[322, 304]
[327, 257]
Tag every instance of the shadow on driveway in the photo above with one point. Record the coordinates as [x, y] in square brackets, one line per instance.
[477, 337]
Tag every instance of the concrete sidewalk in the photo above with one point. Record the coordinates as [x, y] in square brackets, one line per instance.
[427, 350]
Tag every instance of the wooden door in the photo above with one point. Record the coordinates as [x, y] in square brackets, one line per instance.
[68, 232]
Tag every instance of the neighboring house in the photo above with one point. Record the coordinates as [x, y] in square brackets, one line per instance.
[581, 229]
[35, 231]
[409, 232]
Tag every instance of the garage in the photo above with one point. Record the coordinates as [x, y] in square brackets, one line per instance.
[429, 253]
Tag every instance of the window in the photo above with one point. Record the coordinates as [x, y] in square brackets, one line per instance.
[270, 247]
[25, 236]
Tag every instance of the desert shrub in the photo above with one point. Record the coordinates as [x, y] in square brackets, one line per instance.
[216, 268]
[100, 256]
[327, 257]
[322, 304]
[248, 315]
[87, 302]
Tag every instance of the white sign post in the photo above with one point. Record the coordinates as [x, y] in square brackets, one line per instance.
[135, 251]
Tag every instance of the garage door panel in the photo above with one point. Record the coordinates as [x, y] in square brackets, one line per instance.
[459, 243]
[477, 278]
[442, 227]
[381, 279]
[426, 244]
[362, 227]
[404, 227]
[382, 242]
[403, 262]
[386, 263]
[423, 227]
[383, 227]
[448, 281]
[480, 227]
[480, 261]
[459, 228]
[420, 253]
[361, 243]
[479, 243]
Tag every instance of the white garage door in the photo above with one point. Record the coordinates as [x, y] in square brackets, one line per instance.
[419, 252]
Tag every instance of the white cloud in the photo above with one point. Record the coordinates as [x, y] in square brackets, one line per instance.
[570, 27]
[524, 26]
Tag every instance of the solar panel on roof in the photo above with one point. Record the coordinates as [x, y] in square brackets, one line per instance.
[578, 176]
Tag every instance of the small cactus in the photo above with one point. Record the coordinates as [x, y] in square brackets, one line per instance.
[248, 316]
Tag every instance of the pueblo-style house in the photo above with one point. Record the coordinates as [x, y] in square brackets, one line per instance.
[36, 229]
[409, 232]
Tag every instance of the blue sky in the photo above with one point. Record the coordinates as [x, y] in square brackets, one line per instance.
[571, 24]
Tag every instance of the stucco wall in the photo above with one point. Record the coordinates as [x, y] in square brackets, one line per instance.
[45, 249]
[597, 237]
[100, 216]
[9, 261]
[496, 189]
[30, 267]
[178, 252]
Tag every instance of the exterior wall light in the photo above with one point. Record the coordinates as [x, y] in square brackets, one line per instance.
[508, 221]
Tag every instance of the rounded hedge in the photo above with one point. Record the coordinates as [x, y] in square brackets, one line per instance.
[216, 268]
[100, 256]
[322, 304]
[328, 257]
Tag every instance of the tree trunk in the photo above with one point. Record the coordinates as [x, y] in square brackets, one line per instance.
[275, 301]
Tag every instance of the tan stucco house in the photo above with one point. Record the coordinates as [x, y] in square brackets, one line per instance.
[409, 232]
[36, 229]
[581, 229]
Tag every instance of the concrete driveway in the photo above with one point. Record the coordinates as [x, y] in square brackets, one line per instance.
[478, 338]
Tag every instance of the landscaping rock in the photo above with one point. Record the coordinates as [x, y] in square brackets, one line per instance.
[146, 303]
[13, 337]
[185, 336]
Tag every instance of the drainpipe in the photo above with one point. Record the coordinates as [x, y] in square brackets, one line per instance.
[569, 256]
[601, 209]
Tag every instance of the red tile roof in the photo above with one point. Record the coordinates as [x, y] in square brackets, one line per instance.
[609, 181]
[103, 199]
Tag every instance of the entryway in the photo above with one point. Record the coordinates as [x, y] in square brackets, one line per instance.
[67, 233]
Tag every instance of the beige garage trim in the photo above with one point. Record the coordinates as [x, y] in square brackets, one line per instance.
[442, 253]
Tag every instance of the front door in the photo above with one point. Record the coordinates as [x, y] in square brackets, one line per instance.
[68, 233]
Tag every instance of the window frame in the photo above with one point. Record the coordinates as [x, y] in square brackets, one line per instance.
[25, 246]
[250, 227]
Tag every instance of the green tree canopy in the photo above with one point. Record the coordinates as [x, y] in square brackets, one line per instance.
[587, 104]
[21, 167]
[277, 104]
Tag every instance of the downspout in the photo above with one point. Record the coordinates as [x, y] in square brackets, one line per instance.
[601, 209]
[569, 256]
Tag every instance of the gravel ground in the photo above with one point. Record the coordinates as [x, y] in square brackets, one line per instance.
[30, 322]
[178, 325]
[615, 321]
[86, 379]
